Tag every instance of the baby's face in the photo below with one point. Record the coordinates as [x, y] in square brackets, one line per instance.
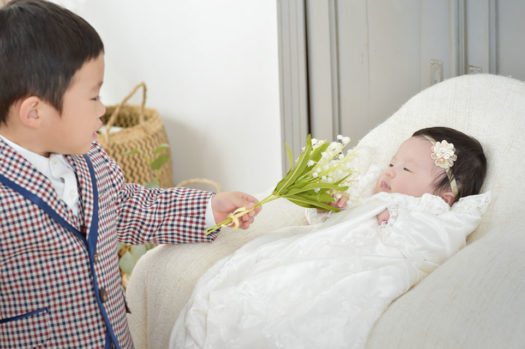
[411, 171]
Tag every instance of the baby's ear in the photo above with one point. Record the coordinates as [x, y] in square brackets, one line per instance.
[448, 196]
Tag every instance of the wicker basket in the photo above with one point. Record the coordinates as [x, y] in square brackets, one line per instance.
[141, 129]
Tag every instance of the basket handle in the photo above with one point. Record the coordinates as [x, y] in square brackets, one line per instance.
[113, 116]
[200, 180]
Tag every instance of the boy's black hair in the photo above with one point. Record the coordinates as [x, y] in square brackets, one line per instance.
[469, 169]
[42, 45]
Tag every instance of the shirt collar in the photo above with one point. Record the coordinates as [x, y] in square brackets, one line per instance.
[40, 162]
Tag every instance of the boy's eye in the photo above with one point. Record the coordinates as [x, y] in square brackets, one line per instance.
[95, 98]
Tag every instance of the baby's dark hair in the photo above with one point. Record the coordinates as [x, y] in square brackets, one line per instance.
[42, 45]
[469, 169]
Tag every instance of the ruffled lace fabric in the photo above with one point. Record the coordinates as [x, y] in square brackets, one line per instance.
[324, 285]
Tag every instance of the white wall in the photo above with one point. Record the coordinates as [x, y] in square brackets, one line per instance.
[211, 68]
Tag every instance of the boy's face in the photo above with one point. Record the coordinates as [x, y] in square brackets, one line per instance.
[73, 130]
[411, 171]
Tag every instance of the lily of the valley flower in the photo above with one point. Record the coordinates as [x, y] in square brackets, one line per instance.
[320, 174]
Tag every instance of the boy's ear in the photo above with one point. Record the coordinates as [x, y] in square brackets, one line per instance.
[28, 112]
[448, 196]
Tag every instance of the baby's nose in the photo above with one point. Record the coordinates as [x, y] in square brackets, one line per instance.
[390, 172]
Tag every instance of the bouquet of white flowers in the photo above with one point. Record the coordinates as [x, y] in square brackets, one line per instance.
[321, 175]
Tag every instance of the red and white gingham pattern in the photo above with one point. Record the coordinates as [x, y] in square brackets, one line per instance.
[45, 269]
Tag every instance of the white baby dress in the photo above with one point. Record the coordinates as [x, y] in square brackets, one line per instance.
[324, 285]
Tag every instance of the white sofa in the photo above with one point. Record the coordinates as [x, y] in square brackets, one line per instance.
[475, 300]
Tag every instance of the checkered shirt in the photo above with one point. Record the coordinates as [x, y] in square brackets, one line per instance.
[60, 289]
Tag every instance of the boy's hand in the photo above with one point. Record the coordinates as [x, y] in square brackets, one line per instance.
[225, 203]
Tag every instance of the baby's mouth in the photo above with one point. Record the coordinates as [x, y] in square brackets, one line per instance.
[385, 186]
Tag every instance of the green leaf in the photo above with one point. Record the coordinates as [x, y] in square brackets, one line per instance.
[301, 201]
[290, 156]
[131, 152]
[138, 251]
[152, 184]
[342, 179]
[127, 263]
[321, 196]
[288, 173]
[160, 148]
[159, 161]
[317, 153]
[150, 246]
[298, 169]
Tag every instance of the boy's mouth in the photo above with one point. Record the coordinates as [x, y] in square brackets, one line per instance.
[95, 134]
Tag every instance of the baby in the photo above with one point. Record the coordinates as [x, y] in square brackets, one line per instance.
[450, 169]
[324, 285]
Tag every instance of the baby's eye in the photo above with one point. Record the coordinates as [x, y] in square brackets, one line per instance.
[390, 165]
[406, 169]
[95, 98]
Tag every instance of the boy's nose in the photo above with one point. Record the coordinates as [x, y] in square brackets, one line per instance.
[101, 110]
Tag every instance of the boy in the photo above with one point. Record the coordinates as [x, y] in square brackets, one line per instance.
[63, 201]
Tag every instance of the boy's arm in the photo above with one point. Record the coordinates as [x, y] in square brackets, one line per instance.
[174, 215]
[168, 216]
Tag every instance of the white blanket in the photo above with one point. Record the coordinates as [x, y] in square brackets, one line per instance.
[325, 285]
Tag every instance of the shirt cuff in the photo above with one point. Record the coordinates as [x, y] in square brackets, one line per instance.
[210, 220]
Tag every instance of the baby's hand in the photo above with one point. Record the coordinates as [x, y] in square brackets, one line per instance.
[383, 217]
[339, 203]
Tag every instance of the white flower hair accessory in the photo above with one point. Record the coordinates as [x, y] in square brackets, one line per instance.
[443, 154]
